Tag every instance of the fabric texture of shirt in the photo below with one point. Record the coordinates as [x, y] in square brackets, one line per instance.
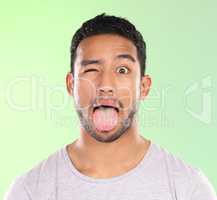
[158, 176]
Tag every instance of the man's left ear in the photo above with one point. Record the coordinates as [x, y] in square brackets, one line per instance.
[145, 86]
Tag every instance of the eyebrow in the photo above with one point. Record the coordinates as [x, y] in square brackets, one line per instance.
[86, 62]
[89, 62]
[127, 56]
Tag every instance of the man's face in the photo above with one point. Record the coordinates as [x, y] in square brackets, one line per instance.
[107, 72]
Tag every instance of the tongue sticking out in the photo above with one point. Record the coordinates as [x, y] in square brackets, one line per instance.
[105, 119]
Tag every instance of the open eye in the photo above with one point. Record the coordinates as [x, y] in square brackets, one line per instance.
[123, 70]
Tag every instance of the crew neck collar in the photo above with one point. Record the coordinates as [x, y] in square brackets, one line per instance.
[130, 172]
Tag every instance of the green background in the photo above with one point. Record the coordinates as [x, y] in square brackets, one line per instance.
[37, 116]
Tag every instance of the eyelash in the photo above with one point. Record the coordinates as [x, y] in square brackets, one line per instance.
[90, 70]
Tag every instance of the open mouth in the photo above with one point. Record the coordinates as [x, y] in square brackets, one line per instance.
[105, 107]
[105, 117]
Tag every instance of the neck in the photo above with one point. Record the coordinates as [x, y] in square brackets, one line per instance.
[129, 149]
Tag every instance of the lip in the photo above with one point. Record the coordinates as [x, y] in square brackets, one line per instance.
[94, 108]
[106, 103]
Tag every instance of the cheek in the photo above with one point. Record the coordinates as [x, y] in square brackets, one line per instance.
[127, 94]
[84, 93]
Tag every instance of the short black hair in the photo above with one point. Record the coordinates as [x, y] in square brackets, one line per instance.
[102, 24]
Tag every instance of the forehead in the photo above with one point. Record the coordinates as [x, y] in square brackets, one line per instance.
[105, 45]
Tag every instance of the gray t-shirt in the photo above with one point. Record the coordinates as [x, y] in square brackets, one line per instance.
[158, 176]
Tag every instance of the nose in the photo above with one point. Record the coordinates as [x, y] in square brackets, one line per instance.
[106, 90]
[106, 86]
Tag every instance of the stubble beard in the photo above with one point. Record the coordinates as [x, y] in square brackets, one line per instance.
[126, 123]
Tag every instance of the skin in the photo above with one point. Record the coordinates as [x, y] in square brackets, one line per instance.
[107, 154]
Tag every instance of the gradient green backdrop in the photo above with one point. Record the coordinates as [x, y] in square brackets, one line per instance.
[37, 116]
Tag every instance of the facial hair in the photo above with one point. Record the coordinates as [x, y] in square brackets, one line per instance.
[125, 125]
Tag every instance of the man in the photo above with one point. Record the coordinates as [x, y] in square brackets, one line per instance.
[110, 160]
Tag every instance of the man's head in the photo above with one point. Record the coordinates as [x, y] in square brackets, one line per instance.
[102, 24]
[107, 77]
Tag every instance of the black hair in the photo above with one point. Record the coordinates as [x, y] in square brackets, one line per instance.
[102, 24]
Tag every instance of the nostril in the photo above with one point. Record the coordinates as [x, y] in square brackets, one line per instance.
[106, 90]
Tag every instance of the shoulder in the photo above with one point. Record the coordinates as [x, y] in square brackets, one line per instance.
[44, 171]
[175, 164]
[40, 179]
[188, 181]
[17, 190]
[201, 187]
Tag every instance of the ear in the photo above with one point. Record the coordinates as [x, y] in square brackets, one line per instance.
[69, 83]
[145, 85]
